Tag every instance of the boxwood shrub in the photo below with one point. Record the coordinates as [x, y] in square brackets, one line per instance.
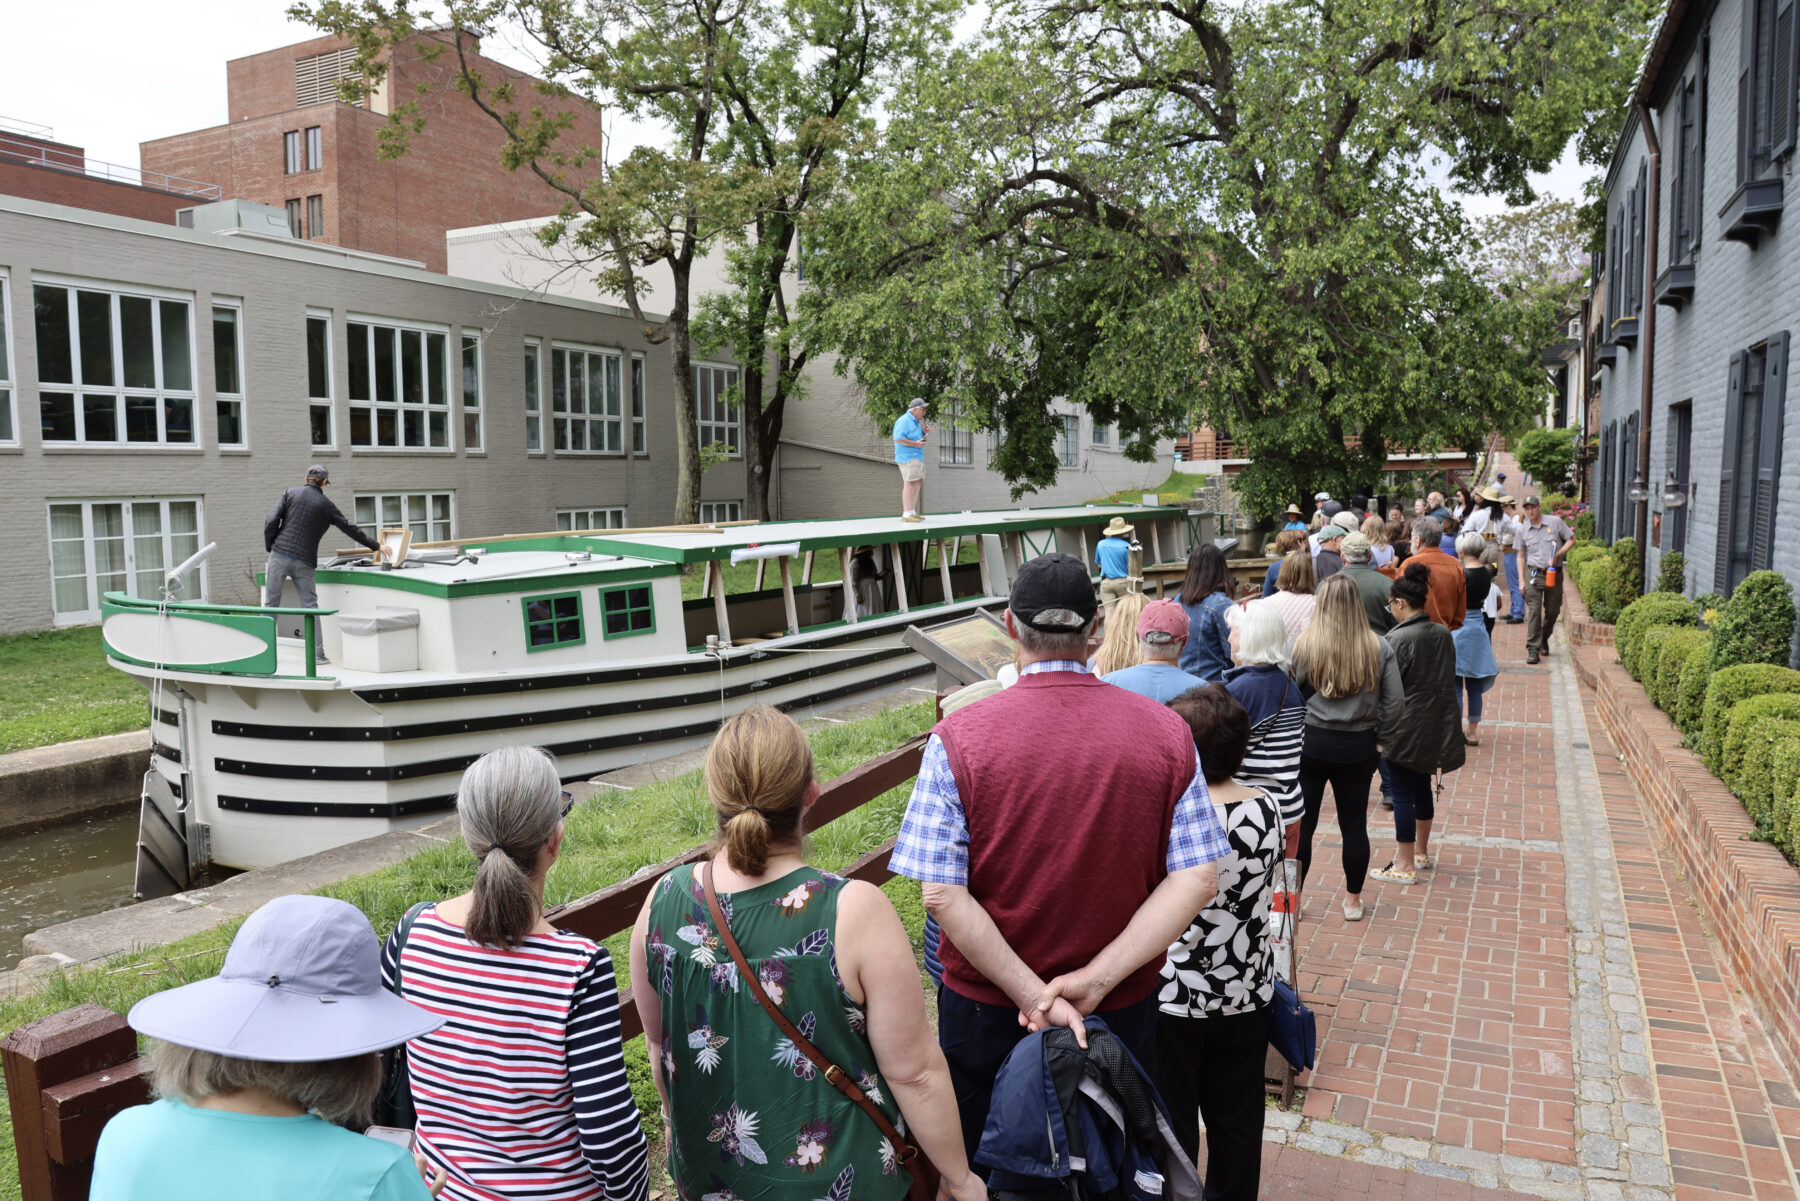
[1784, 792]
[1757, 625]
[1676, 649]
[1690, 699]
[1753, 720]
[1625, 554]
[1656, 609]
[1671, 572]
[1584, 553]
[1649, 656]
[1724, 691]
[1757, 737]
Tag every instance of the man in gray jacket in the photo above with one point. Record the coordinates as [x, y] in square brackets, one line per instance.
[291, 535]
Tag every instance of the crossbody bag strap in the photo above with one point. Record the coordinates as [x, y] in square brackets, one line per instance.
[405, 931]
[834, 1075]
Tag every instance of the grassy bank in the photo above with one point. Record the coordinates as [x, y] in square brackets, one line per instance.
[1178, 487]
[609, 838]
[55, 686]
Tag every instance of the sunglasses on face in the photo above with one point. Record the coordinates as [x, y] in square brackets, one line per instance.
[568, 803]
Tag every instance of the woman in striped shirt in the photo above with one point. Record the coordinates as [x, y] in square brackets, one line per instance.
[522, 1092]
[1261, 684]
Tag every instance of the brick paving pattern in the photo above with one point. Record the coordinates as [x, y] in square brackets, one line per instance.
[1545, 1012]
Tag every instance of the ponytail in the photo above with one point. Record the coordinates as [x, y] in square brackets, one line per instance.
[756, 773]
[510, 806]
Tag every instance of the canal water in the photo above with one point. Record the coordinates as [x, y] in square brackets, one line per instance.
[60, 874]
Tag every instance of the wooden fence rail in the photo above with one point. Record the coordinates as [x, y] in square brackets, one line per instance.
[68, 1074]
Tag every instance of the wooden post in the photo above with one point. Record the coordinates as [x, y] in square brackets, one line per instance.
[944, 569]
[899, 568]
[806, 569]
[844, 584]
[1156, 545]
[715, 572]
[787, 594]
[66, 1075]
[761, 564]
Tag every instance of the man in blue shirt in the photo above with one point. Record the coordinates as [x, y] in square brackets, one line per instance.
[1113, 557]
[1162, 631]
[909, 456]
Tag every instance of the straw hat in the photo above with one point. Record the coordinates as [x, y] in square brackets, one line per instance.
[1492, 493]
[1117, 528]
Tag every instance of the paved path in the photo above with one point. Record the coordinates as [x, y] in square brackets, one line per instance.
[1544, 1014]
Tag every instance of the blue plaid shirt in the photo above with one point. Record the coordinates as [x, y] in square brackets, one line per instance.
[933, 843]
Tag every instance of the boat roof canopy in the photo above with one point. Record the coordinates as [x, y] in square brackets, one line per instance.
[510, 568]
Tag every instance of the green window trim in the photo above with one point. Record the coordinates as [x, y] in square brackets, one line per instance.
[630, 609]
[560, 619]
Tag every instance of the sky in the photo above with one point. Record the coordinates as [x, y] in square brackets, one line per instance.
[149, 70]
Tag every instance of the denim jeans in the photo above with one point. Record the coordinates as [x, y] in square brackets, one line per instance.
[1412, 802]
[1475, 686]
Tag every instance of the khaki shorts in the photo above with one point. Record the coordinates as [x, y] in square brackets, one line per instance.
[912, 470]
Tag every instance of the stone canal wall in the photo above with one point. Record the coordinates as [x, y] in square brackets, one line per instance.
[56, 785]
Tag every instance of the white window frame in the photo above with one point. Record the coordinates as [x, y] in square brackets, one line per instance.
[534, 396]
[716, 421]
[314, 402]
[400, 407]
[292, 160]
[237, 398]
[469, 391]
[315, 147]
[589, 420]
[1102, 434]
[117, 390]
[956, 441]
[315, 216]
[1069, 441]
[598, 517]
[9, 389]
[713, 511]
[195, 586]
[296, 218]
[640, 405]
[377, 502]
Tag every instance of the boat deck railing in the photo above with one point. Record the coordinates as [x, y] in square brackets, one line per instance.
[255, 620]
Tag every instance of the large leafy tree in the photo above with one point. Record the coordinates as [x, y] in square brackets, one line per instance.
[753, 102]
[1173, 211]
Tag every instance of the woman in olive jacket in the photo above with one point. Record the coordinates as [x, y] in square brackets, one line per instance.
[1430, 738]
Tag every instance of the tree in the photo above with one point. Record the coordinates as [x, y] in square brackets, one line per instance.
[1173, 212]
[1546, 455]
[758, 99]
[1541, 248]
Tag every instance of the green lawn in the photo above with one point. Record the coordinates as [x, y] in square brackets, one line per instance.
[1178, 487]
[609, 838]
[55, 686]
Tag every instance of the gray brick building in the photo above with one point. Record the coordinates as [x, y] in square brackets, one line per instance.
[1700, 249]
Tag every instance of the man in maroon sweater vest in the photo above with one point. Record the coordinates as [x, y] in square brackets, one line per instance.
[1064, 836]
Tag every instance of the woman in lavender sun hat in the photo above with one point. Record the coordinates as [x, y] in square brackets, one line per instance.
[253, 1067]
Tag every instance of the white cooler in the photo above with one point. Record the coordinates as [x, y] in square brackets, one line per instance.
[385, 640]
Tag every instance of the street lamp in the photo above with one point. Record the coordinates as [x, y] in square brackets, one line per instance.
[1674, 495]
[1639, 492]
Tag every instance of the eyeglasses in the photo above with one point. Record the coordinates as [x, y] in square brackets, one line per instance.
[568, 803]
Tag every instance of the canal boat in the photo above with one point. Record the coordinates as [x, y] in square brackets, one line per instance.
[280, 732]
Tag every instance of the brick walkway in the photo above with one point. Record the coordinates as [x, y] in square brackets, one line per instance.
[1543, 1013]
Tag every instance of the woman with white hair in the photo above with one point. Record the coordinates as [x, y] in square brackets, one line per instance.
[1476, 666]
[1262, 685]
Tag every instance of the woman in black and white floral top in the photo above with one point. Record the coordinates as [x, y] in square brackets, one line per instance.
[1217, 985]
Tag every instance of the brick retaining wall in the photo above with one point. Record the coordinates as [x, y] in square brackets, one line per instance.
[1747, 890]
[1583, 629]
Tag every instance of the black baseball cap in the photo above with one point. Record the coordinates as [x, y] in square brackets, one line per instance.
[1053, 582]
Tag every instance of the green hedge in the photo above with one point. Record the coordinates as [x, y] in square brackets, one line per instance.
[1784, 792]
[1601, 581]
[1729, 687]
[1753, 720]
[1757, 625]
[1690, 700]
[1583, 526]
[1657, 609]
[1759, 738]
[1671, 572]
[1586, 552]
[1649, 655]
[1625, 554]
[1676, 650]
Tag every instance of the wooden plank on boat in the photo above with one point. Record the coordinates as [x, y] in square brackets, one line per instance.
[787, 594]
[721, 615]
[849, 592]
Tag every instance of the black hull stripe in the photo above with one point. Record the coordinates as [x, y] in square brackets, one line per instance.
[431, 804]
[540, 717]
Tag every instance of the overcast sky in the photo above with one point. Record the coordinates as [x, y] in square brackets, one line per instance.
[107, 74]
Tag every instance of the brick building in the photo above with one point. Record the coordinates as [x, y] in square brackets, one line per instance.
[36, 166]
[291, 143]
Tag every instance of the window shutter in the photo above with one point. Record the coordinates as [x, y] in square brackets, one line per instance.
[1604, 525]
[1734, 399]
[1643, 232]
[1628, 510]
[1781, 82]
[1768, 454]
[1746, 98]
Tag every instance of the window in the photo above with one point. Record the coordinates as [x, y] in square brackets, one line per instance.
[640, 443]
[553, 621]
[426, 514]
[9, 417]
[590, 519]
[318, 377]
[534, 432]
[718, 419]
[397, 393]
[714, 511]
[315, 216]
[1765, 87]
[113, 367]
[1684, 186]
[290, 153]
[295, 225]
[1071, 434]
[471, 391]
[1628, 468]
[101, 546]
[1755, 404]
[626, 611]
[956, 441]
[1102, 434]
[228, 375]
[315, 150]
[587, 409]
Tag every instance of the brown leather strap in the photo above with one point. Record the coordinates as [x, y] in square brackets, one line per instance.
[834, 1075]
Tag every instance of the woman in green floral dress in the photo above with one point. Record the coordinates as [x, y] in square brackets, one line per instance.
[750, 1118]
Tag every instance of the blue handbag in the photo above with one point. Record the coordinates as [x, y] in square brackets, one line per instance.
[1294, 1031]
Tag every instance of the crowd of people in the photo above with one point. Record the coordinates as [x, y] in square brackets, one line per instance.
[1185, 745]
